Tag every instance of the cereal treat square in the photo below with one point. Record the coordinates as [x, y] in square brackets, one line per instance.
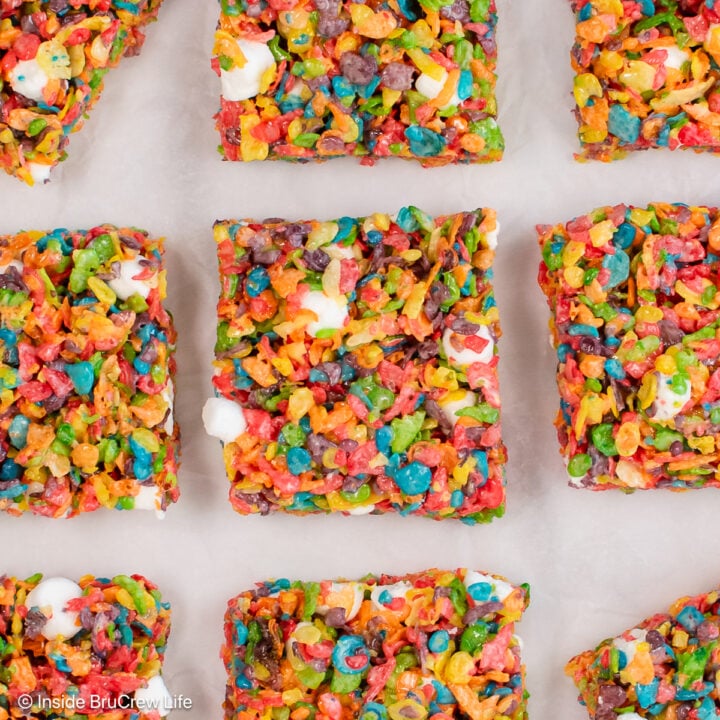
[437, 644]
[634, 299]
[86, 368]
[664, 667]
[317, 79]
[88, 649]
[53, 57]
[356, 366]
[646, 75]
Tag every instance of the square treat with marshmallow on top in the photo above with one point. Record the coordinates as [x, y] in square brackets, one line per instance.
[434, 644]
[93, 648]
[634, 299]
[86, 373]
[316, 79]
[356, 366]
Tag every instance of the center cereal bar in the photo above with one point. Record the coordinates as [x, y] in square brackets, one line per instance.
[356, 366]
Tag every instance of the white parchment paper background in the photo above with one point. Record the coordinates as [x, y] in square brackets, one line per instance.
[597, 563]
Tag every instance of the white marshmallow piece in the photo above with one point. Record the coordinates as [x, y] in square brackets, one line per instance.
[39, 172]
[51, 597]
[462, 401]
[331, 312]
[431, 88]
[398, 590]
[29, 79]
[149, 497]
[155, 697]
[668, 403]
[125, 285]
[362, 510]
[492, 237]
[466, 356]
[358, 597]
[676, 57]
[500, 587]
[629, 647]
[224, 419]
[244, 83]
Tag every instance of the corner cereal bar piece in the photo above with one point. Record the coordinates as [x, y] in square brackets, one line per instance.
[86, 373]
[646, 76]
[316, 79]
[634, 300]
[664, 667]
[356, 366]
[53, 57]
[437, 644]
[88, 649]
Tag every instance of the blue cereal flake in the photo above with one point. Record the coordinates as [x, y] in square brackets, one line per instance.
[690, 617]
[298, 460]
[623, 124]
[424, 142]
[257, 281]
[585, 12]
[647, 7]
[480, 591]
[579, 330]
[619, 266]
[82, 376]
[18, 431]
[465, 85]
[647, 694]
[414, 478]
[406, 220]
[439, 641]
[614, 368]
[624, 236]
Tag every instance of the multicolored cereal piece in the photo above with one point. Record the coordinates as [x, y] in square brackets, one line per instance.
[634, 299]
[356, 366]
[665, 667]
[86, 373]
[93, 648]
[434, 644]
[317, 79]
[646, 75]
[53, 57]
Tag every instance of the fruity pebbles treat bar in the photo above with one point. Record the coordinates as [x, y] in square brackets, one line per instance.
[434, 644]
[86, 367]
[646, 75]
[356, 366]
[634, 297]
[665, 667]
[70, 650]
[53, 57]
[317, 79]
